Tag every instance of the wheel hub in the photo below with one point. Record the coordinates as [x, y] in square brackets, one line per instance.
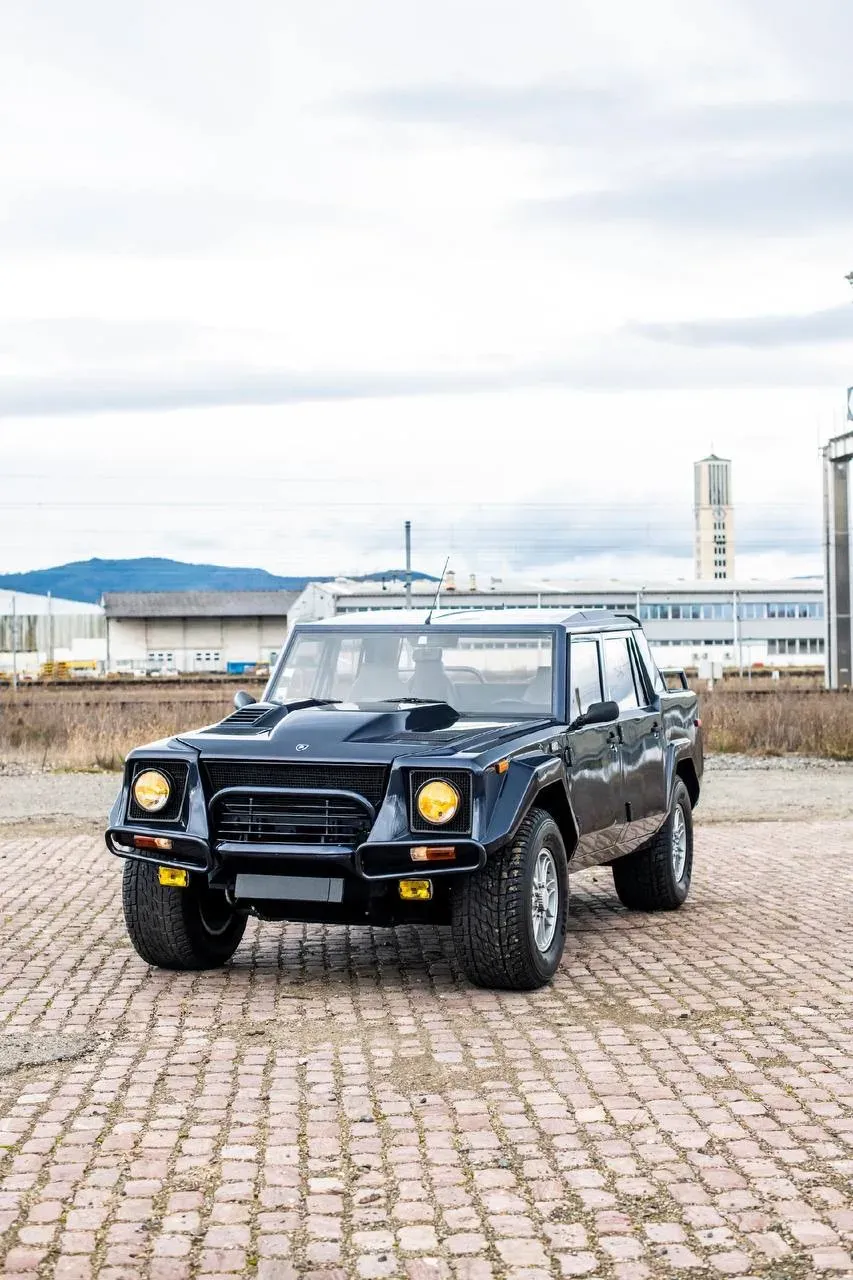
[679, 843]
[544, 900]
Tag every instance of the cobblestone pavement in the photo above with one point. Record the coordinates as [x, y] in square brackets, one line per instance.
[339, 1103]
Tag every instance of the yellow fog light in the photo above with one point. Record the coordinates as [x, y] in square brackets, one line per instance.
[151, 790]
[437, 801]
[173, 877]
[416, 890]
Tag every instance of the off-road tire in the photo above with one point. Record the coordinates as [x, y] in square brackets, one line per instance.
[167, 925]
[646, 880]
[491, 912]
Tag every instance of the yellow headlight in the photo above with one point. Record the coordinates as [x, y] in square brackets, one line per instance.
[151, 790]
[437, 801]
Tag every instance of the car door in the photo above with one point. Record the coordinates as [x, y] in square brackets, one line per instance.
[641, 739]
[594, 766]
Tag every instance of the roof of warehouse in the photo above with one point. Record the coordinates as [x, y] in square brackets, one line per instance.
[24, 603]
[198, 604]
[591, 588]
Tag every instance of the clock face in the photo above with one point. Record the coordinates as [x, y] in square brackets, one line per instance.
[850, 403]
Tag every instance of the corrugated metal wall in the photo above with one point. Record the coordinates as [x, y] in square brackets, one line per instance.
[34, 631]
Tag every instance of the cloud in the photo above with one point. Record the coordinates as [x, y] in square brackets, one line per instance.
[609, 368]
[835, 324]
[583, 115]
[146, 221]
[544, 112]
[793, 194]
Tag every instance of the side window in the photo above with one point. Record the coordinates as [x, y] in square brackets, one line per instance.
[584, 676]
[655, 678]
[620, 677]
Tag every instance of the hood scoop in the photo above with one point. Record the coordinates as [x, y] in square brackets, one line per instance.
[244, 718]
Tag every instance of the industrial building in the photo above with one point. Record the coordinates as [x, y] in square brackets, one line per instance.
[735, 624]
[39, 631]
[714, 518]
[192, 631]
[724, 622]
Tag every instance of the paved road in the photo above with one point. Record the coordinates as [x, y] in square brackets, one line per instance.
[339, 1103]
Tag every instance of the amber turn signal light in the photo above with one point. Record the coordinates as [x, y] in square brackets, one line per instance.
[433, 853]
[152, 842]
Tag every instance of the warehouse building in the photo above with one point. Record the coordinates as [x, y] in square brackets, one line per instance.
[194, 631]
[719, 621]
[39, 631]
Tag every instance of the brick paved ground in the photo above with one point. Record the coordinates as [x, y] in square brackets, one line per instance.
[338, 1103]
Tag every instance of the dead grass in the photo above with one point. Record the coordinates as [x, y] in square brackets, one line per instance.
[779, 723]
[94, 727]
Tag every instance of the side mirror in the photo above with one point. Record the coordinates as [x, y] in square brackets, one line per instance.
[242, 699]
[597, 713]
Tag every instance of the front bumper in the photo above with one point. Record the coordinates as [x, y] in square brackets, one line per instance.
[386, 860]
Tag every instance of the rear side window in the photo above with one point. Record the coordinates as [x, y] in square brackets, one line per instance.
[620, 675]
[584, 676]
[656, 680]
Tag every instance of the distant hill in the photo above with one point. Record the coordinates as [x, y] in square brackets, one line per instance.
[88, 579]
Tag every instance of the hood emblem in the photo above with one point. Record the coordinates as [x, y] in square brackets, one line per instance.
[302, 746]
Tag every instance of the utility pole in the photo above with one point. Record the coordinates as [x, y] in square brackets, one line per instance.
[838, 455]
[408, 536]
[14, 644]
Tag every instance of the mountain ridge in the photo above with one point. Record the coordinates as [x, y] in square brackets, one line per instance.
[87, 580]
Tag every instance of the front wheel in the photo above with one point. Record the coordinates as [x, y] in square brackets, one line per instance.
[509, 919]
[657, 877]
[191, 928]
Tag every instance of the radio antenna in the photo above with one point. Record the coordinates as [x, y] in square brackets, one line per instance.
[437, 593]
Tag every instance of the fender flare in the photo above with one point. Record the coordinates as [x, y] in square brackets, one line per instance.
[678, 749]
[525, 779]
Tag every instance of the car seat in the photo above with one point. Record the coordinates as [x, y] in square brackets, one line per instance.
[539, 689]
[430, 679]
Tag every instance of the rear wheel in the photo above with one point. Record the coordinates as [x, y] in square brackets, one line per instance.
[657, 877]
[509, 920]
[191, 928]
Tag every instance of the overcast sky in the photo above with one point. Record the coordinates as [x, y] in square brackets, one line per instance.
[276, 276]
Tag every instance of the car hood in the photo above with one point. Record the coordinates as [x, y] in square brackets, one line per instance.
[378, 731]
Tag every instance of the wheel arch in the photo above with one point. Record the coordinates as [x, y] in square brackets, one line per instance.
[554, 800]
[685, 769]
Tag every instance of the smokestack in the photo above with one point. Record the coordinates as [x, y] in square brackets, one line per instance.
[472, 582]
[450, 580]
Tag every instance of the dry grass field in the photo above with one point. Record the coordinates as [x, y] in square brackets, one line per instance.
[93, 726]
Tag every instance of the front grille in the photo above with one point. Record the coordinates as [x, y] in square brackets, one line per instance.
[368, 780]
[176, 772]
[460, 824]
[267, 818]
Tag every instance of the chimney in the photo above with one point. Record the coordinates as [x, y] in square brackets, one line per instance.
[472, 582]
[450, 580]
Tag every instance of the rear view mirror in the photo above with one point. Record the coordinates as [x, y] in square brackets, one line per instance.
[243, 699]
[597, 713]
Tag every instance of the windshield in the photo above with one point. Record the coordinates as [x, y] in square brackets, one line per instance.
[494, 675]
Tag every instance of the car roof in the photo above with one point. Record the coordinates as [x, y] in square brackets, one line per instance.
[499, 619]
